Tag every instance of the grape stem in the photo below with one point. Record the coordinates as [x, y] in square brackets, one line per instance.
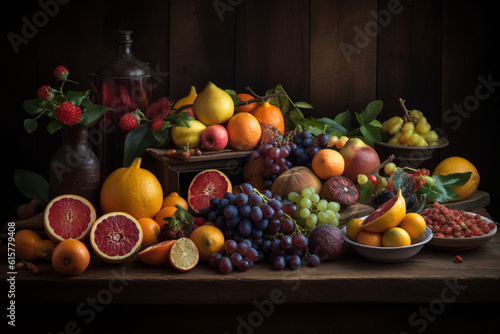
[382, 165]
[406, 117]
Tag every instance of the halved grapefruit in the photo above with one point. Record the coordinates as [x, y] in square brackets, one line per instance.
[68, 217]
[157, 254]
[206, 185]
[386, 216]
[116, 236]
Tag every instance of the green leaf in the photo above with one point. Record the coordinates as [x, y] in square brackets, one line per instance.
[32, 107]
[162, 136]
[371, 133]
[332, 126]
[452, 180]
[365, 192]
[231, 92]
[181, 119]
[92, 114]
[54, 126]
[371, 111]
[438, 193]
[303, 105]
[344, 119]
[32, 185]
[136, 143]
[30, 125]
[76, 98]
[359, 118]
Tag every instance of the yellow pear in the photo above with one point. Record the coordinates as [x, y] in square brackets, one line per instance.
[181, 135]
[213, 105]
[187, 99]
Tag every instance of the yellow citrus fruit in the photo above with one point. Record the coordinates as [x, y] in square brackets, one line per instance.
[167, 211]
[213, 105]
[386, 216]
[327, 163]
[174, 199]
[243, 131]
[184, 254]
[459, 165]
[133, 190]
[157, 254]
[150, 229]
[370, 238]
[182, 135]
[187, 99]
[396, 237]
[353, 228]
[208, 239]
[414, 224]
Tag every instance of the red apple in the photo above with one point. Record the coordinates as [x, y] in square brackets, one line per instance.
[214, 138]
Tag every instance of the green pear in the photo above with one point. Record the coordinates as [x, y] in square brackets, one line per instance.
[213, 105]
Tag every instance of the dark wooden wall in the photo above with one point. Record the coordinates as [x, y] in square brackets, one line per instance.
[432, 53]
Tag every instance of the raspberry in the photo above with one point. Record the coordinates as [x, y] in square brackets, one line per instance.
[68, 113]
[157, 124]
[44, 92]
[61, 72]
[128, 122]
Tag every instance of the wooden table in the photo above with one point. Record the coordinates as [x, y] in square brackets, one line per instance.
[348, 293]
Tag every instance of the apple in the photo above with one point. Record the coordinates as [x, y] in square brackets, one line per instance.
[214, 138]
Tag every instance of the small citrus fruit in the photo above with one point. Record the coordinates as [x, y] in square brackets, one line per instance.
[208, 239]
[327, 163]
[269, 114]
[243, 131]
[459, 165]
[157, 254]
[182, 135]
[353, 228]
[150, 229]
[370, 238]
[396, 237]
[70, 257]
[166, 212]
[386, 216]
[68, 217]
[206, 185]
[116, 236]
[175, 199]
[184, 254]
[414, 224]
[133, 190]
[189, 99]
[246, 107]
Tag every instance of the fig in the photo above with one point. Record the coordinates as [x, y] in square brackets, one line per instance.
[326, 242]
[340, 189]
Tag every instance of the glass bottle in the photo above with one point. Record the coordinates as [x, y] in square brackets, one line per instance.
[123, 84]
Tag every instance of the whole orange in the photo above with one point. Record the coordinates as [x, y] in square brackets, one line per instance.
[174, 199]
[396, 237]
[414, 224]
[246, 107]
[70, 257]
[150, 230]
[244, 131]
[370, 238]
[209, 240]
[459, 165]
[132, 190]
[166, 212]
[327, 163]
[269, 114]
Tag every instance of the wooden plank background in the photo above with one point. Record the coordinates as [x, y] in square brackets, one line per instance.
[432, 53]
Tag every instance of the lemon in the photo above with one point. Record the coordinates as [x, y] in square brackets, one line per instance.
[213, 105]
[182, 135]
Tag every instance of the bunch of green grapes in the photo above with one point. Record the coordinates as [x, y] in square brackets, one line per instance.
[313, 211]
[414, 132]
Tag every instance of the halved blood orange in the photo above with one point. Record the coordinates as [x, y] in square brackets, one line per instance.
[68, 217]
[116, 236]
[157, 254]
[206, 185]
[184, 254]
[386, 216]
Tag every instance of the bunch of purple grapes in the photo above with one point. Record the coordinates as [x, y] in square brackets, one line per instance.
[236, 255]
[288, 250]
[276, 160]
[304, 147]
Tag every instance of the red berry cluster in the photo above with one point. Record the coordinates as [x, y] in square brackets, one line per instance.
[128, 122]
[450, 223]
[68, 113]
[421, 176]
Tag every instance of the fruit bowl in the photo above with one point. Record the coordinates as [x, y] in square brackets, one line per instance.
[456, 244]
[389, 254]
[411, 156]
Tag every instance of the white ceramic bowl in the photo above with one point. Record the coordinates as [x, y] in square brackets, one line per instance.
[454, 244]
[390, 254]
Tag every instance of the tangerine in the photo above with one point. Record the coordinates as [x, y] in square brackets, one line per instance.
[246, 107]
[396, 237]
[327, 163]
[353, 228]
[174, 199]
[414, 224]
[386, 216]
[157, 254]
[269, 114]
[150, 229]
[208, 239]
[243, 131]
[370, 238]
[168, 211]
[459, 165]
[70, 257]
